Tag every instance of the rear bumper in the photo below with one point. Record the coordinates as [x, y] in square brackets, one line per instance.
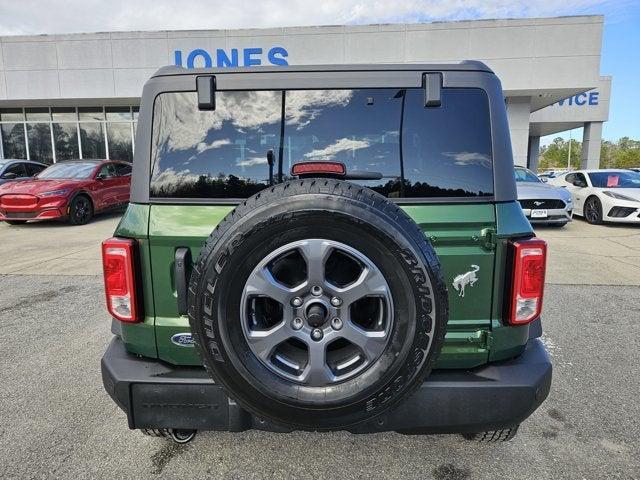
[500, 395]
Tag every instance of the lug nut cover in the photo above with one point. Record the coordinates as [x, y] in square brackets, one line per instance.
[336, 302]
[316, 290]
[296, 302]
[336, 323]
[297, 323]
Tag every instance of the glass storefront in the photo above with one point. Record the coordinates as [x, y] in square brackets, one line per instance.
[52, 134]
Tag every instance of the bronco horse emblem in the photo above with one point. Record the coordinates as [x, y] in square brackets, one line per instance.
[464, 279]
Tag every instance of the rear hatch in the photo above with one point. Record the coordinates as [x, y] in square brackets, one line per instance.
[435, 162]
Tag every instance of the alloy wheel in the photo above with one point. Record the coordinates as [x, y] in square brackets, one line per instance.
[316, 312]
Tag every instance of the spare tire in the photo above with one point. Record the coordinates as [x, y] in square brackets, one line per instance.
[318, 304]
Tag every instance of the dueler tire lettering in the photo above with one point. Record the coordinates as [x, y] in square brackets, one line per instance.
[334, 211]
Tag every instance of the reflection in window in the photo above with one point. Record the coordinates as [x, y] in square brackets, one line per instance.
[221, 153]
[387, 133]
[120, 144]
[447, 150]
[13, 144]
[39, 137]
[65, 137]
[92, 140]
[359, 128]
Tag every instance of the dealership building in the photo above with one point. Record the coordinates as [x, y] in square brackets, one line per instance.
[77, 95]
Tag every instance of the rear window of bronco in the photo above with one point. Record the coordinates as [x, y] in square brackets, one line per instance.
[417, 151]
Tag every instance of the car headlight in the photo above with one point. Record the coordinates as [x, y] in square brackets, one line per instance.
[55, 193]
[619, 196]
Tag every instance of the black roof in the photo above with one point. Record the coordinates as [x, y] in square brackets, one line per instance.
[465, 65]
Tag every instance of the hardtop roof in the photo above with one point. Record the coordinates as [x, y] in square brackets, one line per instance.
[465, 65]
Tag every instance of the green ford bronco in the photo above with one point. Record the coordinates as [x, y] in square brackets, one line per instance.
[325, 248]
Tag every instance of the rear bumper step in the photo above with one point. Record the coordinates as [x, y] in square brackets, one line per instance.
[500, 395]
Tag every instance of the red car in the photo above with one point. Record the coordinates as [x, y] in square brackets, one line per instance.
[71, 190]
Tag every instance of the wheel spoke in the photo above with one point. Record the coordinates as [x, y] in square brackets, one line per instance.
[315, 253]
[262, 283]
[372, 343]
[264, 341]
[317, 372]
[370, 283]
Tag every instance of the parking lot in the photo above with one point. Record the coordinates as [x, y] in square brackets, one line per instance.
[59, 423]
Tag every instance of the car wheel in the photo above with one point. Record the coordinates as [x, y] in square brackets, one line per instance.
[593, 210]
[80, 210]
[318, 304]
[16, 222]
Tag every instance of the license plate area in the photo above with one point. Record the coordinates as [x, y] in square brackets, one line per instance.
[539, 213]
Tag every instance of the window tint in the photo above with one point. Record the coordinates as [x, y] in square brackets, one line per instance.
[360, 128]
[447, 150]
[107, 171]
[17, 168]
[615, 179]
[33, 169]
[387, 133]
[122, 169]
[218, 154]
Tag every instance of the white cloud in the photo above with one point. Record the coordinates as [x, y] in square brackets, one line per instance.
[330, 152]
[469, 158]
[170, 179]
[202, 146]
[250, 162]
[28, 16]
[304, 106]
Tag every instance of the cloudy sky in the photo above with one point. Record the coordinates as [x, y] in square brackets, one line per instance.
[621, 43]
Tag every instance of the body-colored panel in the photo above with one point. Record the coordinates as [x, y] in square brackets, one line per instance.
[459, 233]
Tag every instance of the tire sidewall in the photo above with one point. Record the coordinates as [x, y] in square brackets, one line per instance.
[410, 354]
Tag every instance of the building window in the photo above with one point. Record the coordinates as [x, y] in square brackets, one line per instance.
[120, 143]
[39, 137]
[64, 133]
[13, 144]
[65, 137]
[92, 139]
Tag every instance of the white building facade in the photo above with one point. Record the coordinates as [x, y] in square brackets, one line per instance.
[77, 95]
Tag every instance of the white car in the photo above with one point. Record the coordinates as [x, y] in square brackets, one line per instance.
[603, 195]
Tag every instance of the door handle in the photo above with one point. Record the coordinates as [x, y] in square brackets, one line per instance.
[182, 272]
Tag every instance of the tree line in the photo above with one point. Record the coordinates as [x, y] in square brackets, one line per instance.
[624, 153]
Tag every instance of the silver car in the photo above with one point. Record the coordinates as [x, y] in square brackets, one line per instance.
[542, 203]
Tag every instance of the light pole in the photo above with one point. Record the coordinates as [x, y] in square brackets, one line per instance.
[569, 156]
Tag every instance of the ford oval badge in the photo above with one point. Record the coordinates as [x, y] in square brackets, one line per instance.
[182, 339]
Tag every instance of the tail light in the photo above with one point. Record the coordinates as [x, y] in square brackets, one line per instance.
[119, 261]
[529, 265]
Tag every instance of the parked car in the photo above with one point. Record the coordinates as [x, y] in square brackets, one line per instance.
[71, 190]
[542, 203]
[18, 170]
[312, 282]
[545, 176]
[635, 169]
[603, 195]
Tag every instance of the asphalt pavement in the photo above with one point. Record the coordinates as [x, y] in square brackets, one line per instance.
[57, 421]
